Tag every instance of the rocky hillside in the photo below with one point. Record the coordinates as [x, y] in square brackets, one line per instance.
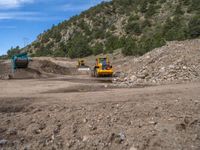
[136, 26]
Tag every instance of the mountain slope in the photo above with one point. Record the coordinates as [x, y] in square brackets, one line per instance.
[136, 26]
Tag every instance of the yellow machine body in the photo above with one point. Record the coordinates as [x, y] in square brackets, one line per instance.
[81, 63]
[103, 67]
[81, 66]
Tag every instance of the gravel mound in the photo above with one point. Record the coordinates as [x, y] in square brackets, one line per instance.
[174, 63]
[47, 66]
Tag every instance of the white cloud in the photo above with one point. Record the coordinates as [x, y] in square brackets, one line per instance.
[27, 16]
[17, 15]
[6, 4]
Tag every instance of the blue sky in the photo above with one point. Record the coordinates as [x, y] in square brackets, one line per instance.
[22, 20]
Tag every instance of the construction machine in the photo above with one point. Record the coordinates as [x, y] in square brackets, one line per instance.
[81, 63]
[102, 68]
[20, 61]
[82, 66]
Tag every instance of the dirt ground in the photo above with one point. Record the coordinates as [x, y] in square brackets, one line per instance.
[51, 106]
[79, 112]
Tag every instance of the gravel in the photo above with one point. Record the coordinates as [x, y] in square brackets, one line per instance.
[176, 62]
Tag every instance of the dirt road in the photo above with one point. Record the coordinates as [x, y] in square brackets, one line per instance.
[82, 113]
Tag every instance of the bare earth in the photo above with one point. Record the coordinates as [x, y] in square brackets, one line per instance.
[52, 106]
[79, 112]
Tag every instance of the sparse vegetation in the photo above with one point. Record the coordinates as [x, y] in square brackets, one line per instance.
[13, 51]
[97, 49]
[130, 47]
[3, 57]
[194, 27]
[146, 24]
[78, 47]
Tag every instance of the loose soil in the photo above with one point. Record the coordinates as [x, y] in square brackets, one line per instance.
[52, 106]
[62, 114]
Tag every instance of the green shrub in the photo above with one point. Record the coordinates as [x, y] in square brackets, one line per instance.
[98, 34]
[56, 35]
[63, 47]
[178, 10]
[37, 44]
[147, 44]
[113, 28]
[43, 52]
[145, 23]
[150, 11]
[78, 47]
[133, 28]
[194, 27]
[84, 26]
[45, 38]
[195, 5]
[176, 34]
[130, 47]
[113, 43]
[162, 1]
[174, 29]
[143, 6]
[59, 53]
[50, 45]
[152, 1]
[133, 18]
[13, 51]
[186, 2]
[98, 49]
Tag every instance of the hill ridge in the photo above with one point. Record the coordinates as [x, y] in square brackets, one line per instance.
[135, 26]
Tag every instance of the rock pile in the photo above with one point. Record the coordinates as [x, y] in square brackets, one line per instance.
[174, 63]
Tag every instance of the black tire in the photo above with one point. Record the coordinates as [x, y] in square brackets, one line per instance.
[95, 73]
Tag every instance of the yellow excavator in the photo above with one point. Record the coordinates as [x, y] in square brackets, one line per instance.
[102, 68]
